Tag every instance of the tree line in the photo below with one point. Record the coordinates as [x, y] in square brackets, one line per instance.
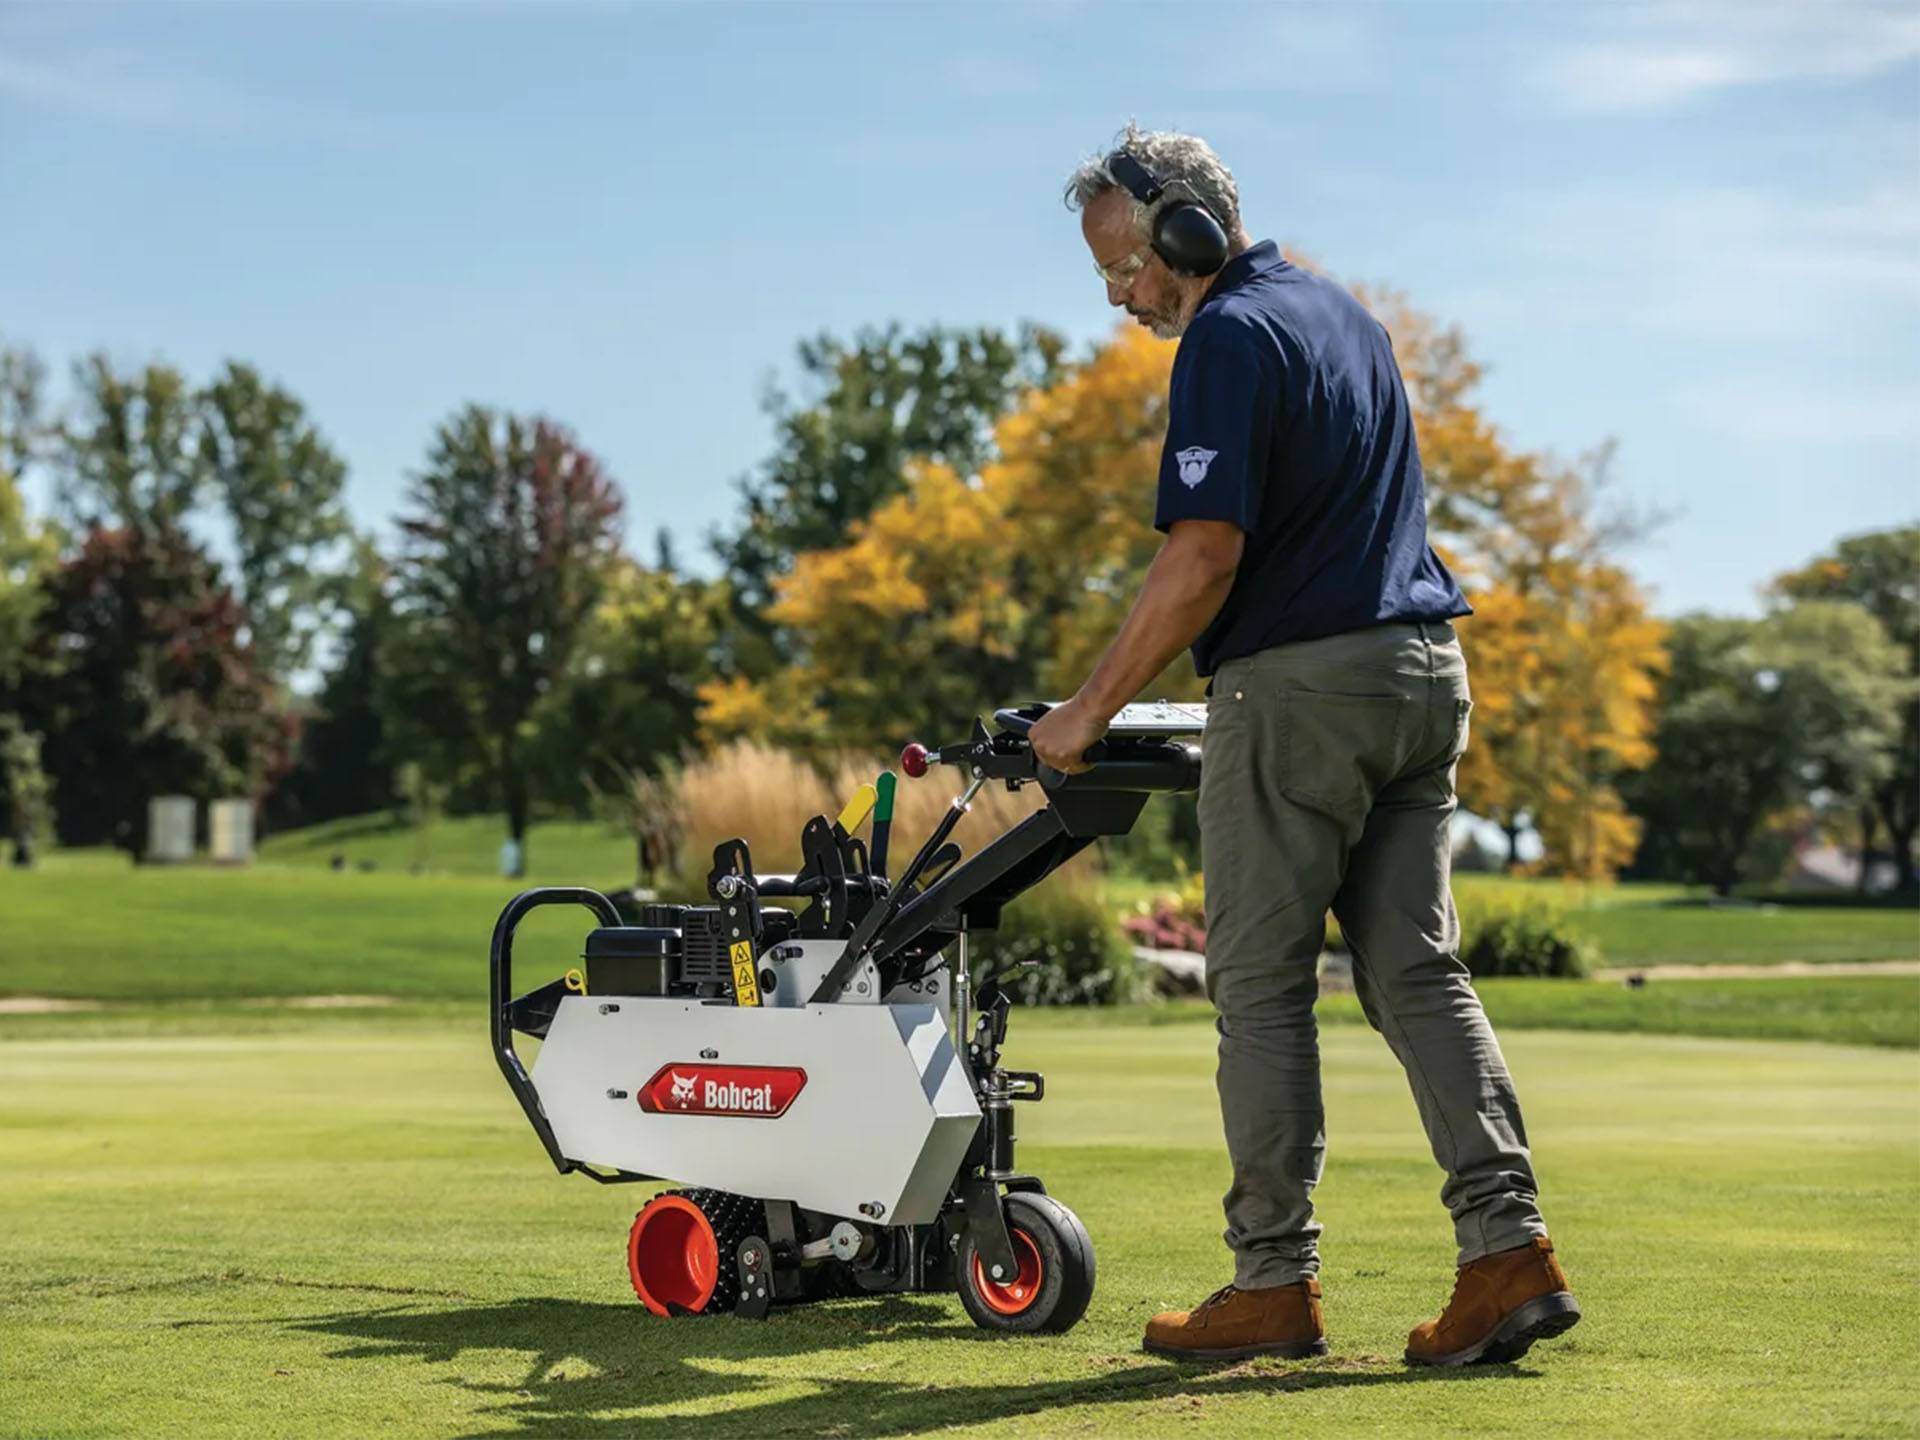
[948, 518]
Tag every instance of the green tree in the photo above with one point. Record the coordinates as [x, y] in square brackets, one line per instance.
[1755, 717]
[871, 406]
[279, 484]
[26, 551]
[630, 698]
[345, 764]
[26, 807]
[505, 544]
[27, 554]
[129, 458]
[24, 429]
[1880, 570]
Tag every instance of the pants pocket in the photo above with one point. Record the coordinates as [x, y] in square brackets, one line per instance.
[1339, 749]
[1462, 711]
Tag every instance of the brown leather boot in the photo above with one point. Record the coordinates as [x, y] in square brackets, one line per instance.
[1501, 1304]
[1232, 1324]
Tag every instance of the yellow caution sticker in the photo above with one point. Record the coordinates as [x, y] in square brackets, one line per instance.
[746, 981]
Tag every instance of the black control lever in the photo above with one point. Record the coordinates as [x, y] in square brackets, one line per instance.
[943, 860]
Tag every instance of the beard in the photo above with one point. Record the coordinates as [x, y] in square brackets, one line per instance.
[1164, 324]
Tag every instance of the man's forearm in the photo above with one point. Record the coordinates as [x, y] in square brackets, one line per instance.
[1185, 588]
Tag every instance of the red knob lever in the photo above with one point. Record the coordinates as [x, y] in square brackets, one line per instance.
[913, 760]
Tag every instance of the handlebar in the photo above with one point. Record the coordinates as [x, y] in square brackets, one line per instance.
[1019, 722]
[1137, 762]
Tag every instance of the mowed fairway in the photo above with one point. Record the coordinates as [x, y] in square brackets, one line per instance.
[334, 1226]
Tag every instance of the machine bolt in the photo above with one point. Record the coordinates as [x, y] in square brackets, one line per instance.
[997, 1272]
[728, 886]
[609, 1009]
[873, 1208]
[616, 1094]
[861, 988]
[709, 1054]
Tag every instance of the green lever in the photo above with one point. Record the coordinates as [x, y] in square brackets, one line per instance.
[882, 820]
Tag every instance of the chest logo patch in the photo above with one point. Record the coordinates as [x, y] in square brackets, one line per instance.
[1193, 464]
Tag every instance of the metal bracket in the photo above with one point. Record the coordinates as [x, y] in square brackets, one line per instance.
[754, 1261]
[987, 1224]
[784, 1237]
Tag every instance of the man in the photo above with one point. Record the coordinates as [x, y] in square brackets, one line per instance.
[1297, 568]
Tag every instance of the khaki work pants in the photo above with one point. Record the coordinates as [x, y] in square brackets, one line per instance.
[1328, 785]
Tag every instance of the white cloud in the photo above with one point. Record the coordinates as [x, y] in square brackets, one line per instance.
[1653, 59]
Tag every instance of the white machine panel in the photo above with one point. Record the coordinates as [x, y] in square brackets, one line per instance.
[883, 1117]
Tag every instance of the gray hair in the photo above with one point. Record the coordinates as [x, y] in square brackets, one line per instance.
[1173, 157]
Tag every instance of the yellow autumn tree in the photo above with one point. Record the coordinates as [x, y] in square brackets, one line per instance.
[907, 630]
[1075, 476]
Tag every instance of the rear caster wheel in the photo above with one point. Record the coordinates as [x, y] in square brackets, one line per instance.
[1054, 1281]
[680, 1252]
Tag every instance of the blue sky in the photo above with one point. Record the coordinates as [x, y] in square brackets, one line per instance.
[1694, 229]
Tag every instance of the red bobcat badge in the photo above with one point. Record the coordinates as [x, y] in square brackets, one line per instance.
[758, 1092]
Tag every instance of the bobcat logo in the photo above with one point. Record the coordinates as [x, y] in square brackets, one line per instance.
[683, 1089]
[1193, 464]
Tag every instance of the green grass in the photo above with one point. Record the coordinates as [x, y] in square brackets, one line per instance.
[1841, 1009]
[559, 852]
[1836, 1010]
[90, 926]
[95, 927]
[1697, 933]
[342, 1226]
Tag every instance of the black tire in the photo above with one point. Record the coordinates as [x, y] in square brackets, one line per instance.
[1048, 1237]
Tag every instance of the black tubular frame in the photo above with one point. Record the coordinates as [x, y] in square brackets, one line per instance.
[500, 1000]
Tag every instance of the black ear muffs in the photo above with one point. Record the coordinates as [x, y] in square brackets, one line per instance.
[1186, 234]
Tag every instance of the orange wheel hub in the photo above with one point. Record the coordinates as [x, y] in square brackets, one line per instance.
[1015, 1295]
[672, 1255]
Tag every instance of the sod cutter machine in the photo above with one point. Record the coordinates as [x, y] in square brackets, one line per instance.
[825, 1079]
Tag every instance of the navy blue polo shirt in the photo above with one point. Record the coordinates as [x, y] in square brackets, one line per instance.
[1287, 417]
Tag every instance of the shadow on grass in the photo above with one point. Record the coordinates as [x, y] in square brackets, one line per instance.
[615, 1359]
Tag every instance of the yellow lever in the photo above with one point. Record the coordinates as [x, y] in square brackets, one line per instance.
[858, 808]
[576, 982]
